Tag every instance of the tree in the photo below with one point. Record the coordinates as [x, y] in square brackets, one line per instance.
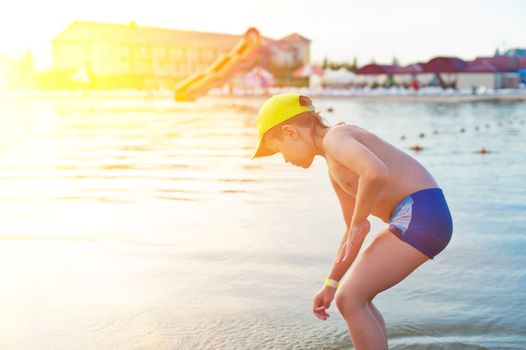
[354, 65]
[325, 62]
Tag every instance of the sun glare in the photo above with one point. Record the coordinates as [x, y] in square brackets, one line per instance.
[3, 77]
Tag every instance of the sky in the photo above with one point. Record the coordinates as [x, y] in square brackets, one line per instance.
[410, 30]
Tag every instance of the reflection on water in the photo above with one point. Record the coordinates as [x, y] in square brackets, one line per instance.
[144, 224]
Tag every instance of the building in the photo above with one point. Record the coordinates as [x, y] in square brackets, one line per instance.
[478, 73]
[516, 52]
[117, 55]
[299, 46]
[374, 74]
[405, 75]
[492, 72]
[387, 74]
[442, 71]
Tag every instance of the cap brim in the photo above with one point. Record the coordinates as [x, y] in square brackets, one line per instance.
[261, 151]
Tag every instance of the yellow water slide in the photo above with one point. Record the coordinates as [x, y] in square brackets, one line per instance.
[221, 70]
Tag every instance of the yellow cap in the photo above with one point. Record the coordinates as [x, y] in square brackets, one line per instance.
[275, 110]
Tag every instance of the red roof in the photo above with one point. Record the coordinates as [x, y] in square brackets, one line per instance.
[502, 63]
[450, 65]
[295, 37]
[480, 66]
[374, 68]
[444, 65]
[410, 69]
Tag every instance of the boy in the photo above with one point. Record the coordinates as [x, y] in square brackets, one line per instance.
[370, 177]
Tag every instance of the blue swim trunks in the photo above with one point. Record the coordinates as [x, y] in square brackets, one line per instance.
[423, 220]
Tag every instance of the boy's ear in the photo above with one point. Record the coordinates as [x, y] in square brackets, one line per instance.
[289, 130]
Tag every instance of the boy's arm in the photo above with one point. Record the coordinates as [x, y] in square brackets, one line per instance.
[347, 203]
[372, 172]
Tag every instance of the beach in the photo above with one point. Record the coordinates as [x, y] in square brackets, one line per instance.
[136, 222]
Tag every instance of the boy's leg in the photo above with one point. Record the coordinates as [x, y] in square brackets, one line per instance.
[379, 318]
[384, 263]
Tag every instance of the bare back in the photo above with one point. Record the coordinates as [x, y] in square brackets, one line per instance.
[406, 175]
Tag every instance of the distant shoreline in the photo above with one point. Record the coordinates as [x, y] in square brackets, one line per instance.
[406, 98]
[451, 99]
[509, 96]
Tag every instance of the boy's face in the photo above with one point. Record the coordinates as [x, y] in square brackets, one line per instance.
[293, 146]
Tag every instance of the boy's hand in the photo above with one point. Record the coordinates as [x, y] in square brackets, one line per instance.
[356, 234]
[322, 301]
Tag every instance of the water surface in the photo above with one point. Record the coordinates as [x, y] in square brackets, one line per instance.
[143, 224]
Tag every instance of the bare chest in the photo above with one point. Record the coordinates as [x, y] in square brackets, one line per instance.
[347, 179]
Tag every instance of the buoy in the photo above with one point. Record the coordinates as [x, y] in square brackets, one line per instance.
[421, 135]
[462, 130]
[330, 109]
[482, 151]
[417, 148]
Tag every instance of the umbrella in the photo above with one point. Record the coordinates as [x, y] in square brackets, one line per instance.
[307, 70]
[259, 77]
[522, 74]
[341, 76]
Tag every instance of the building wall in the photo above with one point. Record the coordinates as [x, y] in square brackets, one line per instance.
[108, 58]
[370, 79]
[468, 80]
[302, 53]
[403, 78]
[425, 78]
[105, 58]
[281, 57]
[70, 56]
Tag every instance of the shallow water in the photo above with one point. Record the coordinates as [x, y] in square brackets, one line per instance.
[143, 224]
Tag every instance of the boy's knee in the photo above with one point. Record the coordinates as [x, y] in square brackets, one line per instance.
[348, 302]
